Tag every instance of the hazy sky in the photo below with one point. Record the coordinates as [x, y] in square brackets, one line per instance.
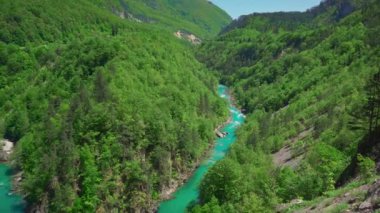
[242, 7]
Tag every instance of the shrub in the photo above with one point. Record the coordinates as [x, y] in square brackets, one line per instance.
[367, 166]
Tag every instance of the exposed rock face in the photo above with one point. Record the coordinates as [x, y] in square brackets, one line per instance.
[374, 195]
[188, 36]
[3, 156]
[285, 156]
[6, 148]
[365, 207]
[369, 203]
[372, 202]
[126, 15]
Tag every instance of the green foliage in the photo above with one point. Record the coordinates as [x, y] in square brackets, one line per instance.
[16, 124]
[252, 203]
[240, 183]
[339, 208]
[300, 77]
[105, 111]
[222, 181]
[90, 180]
[367, 167]
[212, 206]
[288, 184]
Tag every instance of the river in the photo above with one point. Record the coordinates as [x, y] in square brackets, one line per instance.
[9, 202]
[189, 192]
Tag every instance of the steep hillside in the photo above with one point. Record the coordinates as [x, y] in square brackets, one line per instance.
[199, 17]
[105, 112]
[308, 82]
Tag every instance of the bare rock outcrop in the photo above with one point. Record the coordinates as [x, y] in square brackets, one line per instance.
[188, 36]
[6, 148]
[372, 201]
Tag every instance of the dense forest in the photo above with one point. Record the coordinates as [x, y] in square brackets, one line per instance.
[105, 112]
[109, 111]
[309, 83]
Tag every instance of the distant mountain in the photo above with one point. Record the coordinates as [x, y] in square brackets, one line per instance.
[328, 11]
[199, 17]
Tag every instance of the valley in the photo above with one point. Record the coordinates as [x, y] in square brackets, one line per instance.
[109, 106]
[188, 193]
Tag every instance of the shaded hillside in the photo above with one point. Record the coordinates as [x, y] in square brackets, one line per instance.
[269, 21]
[105, 112]
[302, 83]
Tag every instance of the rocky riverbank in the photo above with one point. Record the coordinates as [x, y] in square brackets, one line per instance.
[6, 149]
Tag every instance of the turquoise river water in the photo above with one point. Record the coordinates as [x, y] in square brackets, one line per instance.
[9, 202]
[189, 192]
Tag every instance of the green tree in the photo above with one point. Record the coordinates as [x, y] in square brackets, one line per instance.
[17, 124]
[90, 180]
[222, 181]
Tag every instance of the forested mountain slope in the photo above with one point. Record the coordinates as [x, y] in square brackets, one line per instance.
[199, 17]
[310, 84]
[105, 112]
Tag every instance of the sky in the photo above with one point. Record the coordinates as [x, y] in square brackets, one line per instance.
[243, 7]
